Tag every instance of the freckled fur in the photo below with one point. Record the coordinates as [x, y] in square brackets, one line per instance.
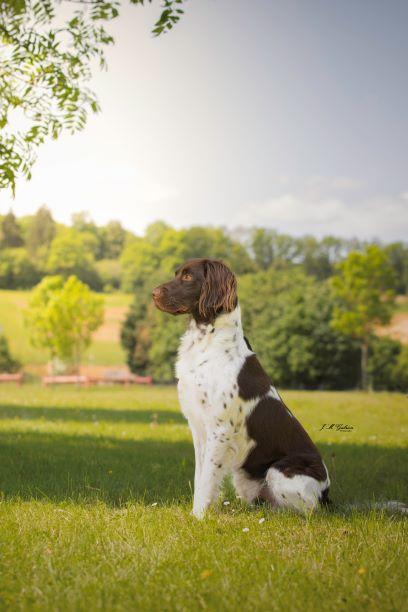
[269, 453]
[225, 414]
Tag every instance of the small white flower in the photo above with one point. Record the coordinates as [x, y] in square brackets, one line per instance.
[154, 504]
[226, 503]
[261, 520]
[245, 529]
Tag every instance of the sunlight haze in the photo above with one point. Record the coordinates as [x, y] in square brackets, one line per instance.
[290, 115]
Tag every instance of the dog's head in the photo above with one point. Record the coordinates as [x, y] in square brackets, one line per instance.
[201, 287]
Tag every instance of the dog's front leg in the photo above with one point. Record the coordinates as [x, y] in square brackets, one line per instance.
[199, 440]
[217, 462]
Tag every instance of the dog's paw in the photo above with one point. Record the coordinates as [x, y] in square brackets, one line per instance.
[198, 512]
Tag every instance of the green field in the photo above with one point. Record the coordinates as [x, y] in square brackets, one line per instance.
[105, 350]
[96, 493]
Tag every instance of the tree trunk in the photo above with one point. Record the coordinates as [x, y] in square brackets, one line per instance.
[364, 366]
[77, 360]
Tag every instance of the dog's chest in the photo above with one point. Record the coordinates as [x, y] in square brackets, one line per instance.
[207, 368]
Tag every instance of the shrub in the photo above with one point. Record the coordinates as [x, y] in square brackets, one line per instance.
[17, 271]
[71, 255]
[62, 316]
[401, 370]
[7, 362]
[109, 272]
[388, 365]
[287, 318]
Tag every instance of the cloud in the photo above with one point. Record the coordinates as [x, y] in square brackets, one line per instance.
[384, 217]
[333, 184]
[136, 195]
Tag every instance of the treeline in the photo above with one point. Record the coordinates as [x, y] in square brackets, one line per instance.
[287, 317]
[110, 258]
[310, 307]
[35, 246]
[288, 303]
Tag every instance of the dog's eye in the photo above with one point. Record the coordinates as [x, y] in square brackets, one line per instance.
[186, 277]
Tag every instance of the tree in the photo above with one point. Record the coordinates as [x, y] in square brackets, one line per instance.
[286, 316]
[382, 363]
[364, 292]
[262, 246]
[110, 274]
[41, 231]
[401, 370]
[318, 257]
[164, 248]
[71, 253]
[135, 336]
[17, 271]
[113, 240]
[139, 261]
[215, 242]
[397, 253]
[62, 316]
[7, 362]
[45, 67]
[81, 223]
[10, 232]
[150, 337]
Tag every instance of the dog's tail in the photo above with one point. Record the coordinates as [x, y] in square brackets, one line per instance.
[392, 506]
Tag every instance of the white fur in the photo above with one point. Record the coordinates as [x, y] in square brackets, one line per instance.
[209, 360]
[299, 492]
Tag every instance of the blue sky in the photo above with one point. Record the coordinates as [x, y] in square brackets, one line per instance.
[288, 114]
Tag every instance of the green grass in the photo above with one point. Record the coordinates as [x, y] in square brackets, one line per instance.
[80, 470]
[102, 352]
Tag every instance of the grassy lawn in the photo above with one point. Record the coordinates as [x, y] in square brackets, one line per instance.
[95, 490]
[105, 349]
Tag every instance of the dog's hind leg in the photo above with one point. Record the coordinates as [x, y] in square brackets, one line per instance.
[299, 492]
[248, 489]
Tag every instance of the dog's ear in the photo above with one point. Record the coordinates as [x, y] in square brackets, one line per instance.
[219, 290]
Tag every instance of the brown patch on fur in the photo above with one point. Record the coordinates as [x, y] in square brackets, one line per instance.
[307, 464]
[211, 290]
[252, 379]
[281, 442]
[218, 291]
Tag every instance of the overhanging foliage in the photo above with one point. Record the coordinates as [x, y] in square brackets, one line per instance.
[45, 64]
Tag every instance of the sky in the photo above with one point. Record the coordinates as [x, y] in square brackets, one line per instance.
[289, 114]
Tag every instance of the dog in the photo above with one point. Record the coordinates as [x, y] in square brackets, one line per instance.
[238, 420]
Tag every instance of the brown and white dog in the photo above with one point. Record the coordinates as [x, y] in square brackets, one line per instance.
[238, 420]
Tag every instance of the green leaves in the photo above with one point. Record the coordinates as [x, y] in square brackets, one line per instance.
[7, 363]
[169, 17]
[44, 74]
[62, 317]
[44, 69]
[364, 292]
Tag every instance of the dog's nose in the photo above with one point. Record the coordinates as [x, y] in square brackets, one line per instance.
[156, 293]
